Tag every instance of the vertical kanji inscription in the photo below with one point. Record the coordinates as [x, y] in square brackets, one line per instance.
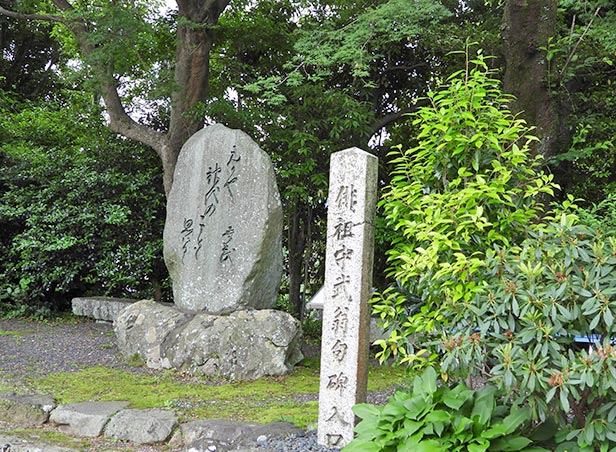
[348, 283]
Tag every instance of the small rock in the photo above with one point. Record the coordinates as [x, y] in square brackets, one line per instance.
[85, 419]
[15, 444]
[142, 426]
[25, 409]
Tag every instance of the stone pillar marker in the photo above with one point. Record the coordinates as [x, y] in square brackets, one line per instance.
[348, 286]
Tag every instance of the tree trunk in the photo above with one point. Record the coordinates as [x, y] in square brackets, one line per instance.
[196, 21]
[527, 27]
[296, 243]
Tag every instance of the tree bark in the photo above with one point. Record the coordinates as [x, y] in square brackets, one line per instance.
[196, 21]
[527, 27]
[296, 242]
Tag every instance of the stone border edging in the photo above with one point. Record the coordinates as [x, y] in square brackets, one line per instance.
[113, 420]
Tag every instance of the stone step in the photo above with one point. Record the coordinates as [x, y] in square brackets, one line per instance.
[114, 421]
[105, 309]
[224, 435]
[85, 419]
[142, 426]
[25, 409]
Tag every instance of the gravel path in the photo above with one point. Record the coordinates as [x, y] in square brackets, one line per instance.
[35, 349]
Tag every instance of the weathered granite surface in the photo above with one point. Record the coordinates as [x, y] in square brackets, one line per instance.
[240, 345]
[223, 435]
[142, 328]
[100, 308]
[25, 409]
[142, 426]
[223, 231]
[85, 418]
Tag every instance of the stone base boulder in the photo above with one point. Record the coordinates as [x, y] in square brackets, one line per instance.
[240, 345]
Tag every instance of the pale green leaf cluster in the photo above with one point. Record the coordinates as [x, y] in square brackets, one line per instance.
[470, 183]
[363, 39]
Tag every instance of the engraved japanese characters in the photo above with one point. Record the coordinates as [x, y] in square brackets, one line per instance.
[222, 239]
[222, 246]
[348, 283]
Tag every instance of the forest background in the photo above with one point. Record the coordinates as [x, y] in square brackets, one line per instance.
[97, 97]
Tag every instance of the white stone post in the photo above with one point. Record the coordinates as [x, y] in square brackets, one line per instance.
[348, 286]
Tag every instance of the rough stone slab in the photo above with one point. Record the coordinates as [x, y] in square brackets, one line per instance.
[100, 308]
[241, 345]
[223, 231]
[142, 426]
[9, 443]
[142, 327]
[85, 419]
[25, 409]
[348, 286]
[224, 435]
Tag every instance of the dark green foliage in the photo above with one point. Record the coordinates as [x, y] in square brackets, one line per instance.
[28, 52]
[519, 329]
[81, 212]
[582, 74]
[434, 417]
[601, 216]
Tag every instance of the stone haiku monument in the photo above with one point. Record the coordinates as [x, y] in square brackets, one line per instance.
[222, 239]
[348, 285]
[223, 247]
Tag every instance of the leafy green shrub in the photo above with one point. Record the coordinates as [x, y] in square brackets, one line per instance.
[520, 331]
[81, 212]
[312, 326]
[431, 418]
[491, 290]
[469, 184]
[601, 216]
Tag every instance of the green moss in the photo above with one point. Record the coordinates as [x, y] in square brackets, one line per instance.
[264, 400]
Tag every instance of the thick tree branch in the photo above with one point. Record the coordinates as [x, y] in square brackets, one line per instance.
[395, 116]
[39, 17]
[195, 38]
[119, 121]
